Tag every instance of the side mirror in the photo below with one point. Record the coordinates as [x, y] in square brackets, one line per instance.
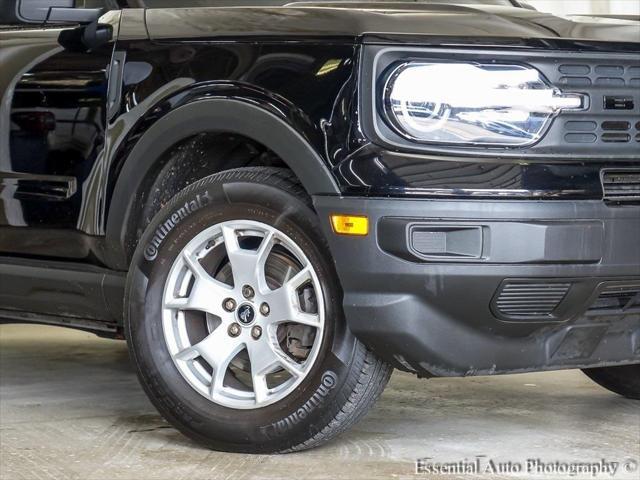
[53, 11]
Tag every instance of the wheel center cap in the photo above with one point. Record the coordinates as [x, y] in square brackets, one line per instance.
[246, 314]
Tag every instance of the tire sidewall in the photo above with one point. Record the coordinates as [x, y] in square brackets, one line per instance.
[315, 401]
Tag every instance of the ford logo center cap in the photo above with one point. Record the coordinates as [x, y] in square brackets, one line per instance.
[246, 314]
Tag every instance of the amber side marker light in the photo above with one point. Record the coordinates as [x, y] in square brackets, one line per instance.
[350, 224]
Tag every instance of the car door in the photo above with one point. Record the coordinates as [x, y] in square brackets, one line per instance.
[52, 129]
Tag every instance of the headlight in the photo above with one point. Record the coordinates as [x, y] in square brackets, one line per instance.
[472, 104]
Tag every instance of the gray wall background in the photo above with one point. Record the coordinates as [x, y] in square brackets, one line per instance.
[563, 7]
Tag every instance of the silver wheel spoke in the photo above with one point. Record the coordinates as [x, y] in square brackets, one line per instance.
[285, 308]
[263, 361]
[265, 357]
[207, 294]
[188, 354]
[292, 367]
[285, 305]
[247, 265]
[260, 388]
[310, 319]
[217, 349]
[261, 259]
[299, 279]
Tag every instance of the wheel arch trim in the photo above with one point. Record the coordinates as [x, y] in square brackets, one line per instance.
[227, 115]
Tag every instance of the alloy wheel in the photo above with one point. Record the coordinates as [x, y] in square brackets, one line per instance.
[243, 314]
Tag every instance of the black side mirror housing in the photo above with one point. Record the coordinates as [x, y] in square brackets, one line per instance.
[85, 38]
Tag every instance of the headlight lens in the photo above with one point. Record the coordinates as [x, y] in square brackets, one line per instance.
[472, 104]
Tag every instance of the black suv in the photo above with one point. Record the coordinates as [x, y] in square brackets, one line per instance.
[276, 205]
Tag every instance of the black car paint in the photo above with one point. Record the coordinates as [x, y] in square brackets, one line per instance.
[376, 21]
[49, 165]
[297, 68]
[65, 184]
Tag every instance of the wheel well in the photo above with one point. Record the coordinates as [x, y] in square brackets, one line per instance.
[189, 143]
[188, 161]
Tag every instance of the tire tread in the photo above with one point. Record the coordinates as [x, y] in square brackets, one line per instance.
[371, 378]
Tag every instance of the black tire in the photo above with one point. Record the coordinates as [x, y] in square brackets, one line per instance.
[623, 380]
[346, 378]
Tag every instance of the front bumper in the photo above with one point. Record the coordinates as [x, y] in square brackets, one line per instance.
[454, 288]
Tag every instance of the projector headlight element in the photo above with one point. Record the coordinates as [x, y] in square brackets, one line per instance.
[472, 104]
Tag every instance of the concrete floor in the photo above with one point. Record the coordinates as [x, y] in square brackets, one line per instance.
[71, 408]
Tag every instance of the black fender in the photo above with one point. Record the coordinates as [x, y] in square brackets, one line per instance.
[232, 115]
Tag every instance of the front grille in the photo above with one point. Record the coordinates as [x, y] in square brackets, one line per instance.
[617, 299]
[607, 75]
[609, 131]
[529, 300]
[610, 125]
[621, 186]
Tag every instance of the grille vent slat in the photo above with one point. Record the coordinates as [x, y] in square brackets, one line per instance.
[615, 137]
[616, 126]
[621, 185]
[575, 69]
[617, 299]
[608, 131]
[610, 81]
[530, 299]
[607, 75]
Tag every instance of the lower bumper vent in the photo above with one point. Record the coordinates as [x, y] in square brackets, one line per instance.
[617, 299]
[519, 300]
[621, 186]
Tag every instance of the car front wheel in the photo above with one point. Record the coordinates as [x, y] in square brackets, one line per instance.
[234, 318]
[623, 380]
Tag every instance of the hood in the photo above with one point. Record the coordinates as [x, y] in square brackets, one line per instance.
[375, 20]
